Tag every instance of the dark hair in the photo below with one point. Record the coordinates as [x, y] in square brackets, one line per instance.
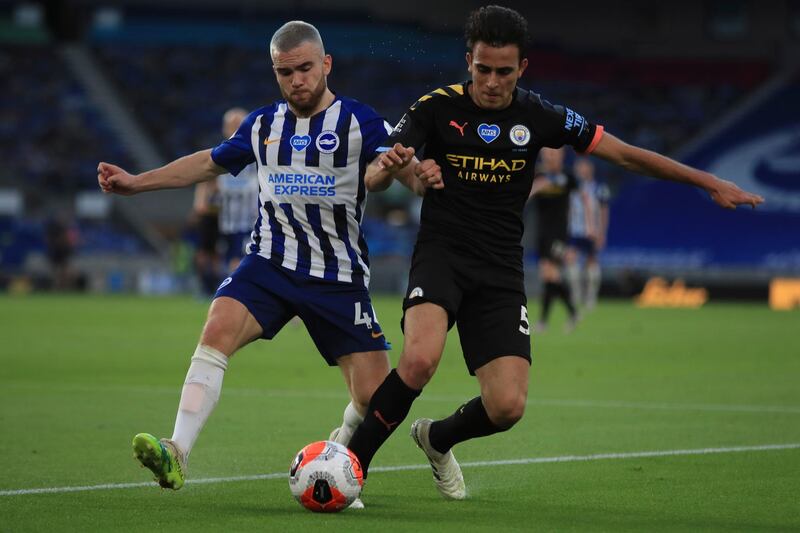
[497, 26]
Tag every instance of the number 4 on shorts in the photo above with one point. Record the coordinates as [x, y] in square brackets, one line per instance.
[362, 318]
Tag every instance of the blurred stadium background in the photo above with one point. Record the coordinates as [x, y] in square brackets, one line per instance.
[140, 82]
[714, 83]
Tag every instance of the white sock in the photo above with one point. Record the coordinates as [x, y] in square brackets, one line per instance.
[573, 275]
[593, 276]
[199, 396]
[350, 421]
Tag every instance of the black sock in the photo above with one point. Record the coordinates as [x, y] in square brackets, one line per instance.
[550, 290]
[468, 422]
[567, 297]
[388, 407]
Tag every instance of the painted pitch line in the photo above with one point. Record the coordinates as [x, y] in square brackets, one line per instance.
[473, 464]
[452, 398]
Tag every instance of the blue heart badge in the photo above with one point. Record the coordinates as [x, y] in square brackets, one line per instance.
[299, 142]
[488, 132]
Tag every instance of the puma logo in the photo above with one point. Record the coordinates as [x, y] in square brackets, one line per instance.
[389, 425]
[459, 128]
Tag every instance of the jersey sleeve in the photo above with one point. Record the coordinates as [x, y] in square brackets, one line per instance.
[414, 128]
[374, 133]
[237, 152]
[559, 125]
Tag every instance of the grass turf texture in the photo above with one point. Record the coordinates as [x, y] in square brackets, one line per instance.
[81, 375]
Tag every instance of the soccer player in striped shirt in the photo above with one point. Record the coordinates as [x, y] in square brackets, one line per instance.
[307, 256]
[238, 199]
[588, 228]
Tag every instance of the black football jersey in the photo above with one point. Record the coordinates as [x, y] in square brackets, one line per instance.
[552, 203]
[487, 159]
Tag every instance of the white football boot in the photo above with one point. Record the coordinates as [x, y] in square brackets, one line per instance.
[446, 472]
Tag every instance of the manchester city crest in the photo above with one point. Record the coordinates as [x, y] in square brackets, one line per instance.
[520, 135]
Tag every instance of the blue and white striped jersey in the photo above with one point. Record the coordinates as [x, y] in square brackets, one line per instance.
[311, 180]
[238, 200]
[598, 195]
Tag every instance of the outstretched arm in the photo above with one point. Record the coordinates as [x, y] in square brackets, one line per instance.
[180, 173]
[725, 193]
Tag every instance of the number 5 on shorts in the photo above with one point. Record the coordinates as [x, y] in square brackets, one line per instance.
[524, 325]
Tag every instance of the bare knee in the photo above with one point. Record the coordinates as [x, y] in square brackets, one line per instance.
[229, 326]
[505, 409]
[425, 336]
[220, 336]
[416, 369]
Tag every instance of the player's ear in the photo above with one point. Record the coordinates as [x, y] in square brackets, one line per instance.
[327, 64]
[469, 61]
[522, 66]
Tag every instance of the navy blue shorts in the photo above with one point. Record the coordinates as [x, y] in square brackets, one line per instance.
[584, 245]
[235, 244]
[338, 316]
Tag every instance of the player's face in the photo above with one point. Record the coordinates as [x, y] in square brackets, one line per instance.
[495, 71]
[301, 75]
[584, 169]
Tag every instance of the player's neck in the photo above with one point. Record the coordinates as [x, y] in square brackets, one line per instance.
[324, 103]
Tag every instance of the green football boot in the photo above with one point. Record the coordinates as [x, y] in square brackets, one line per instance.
[162, 458]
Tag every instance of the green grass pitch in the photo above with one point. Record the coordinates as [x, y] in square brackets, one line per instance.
[79, 376]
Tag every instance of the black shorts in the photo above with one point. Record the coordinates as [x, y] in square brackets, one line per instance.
[207, 233]
[551, 246]
[487, 301]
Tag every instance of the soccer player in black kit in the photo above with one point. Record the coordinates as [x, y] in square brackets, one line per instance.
[481, 139]
[551, 192]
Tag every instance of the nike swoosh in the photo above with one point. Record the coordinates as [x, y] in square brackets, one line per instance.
[377, 335]
[270, 141]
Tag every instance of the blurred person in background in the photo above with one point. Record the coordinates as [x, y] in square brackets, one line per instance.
[588, 229]
[238, 200]
[308, 256]
[551, 191]
[60, 239]
[205, 215]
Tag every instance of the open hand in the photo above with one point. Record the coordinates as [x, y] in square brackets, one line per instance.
[728, 195]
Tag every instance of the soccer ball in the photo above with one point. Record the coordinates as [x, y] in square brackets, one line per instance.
[325, 477]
